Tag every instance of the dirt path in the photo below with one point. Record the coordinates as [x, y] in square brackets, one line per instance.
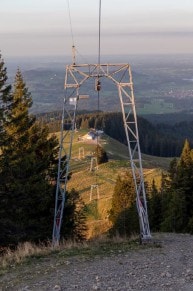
[169, 267]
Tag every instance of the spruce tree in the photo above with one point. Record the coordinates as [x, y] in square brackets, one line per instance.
[5, 89]
[27, 170]
[5, 97]
[101, 155]
[74, 219]
[175, 219]
[179, 207]
[155, 208]
[123, 213]
[184, 178]
[185, 158]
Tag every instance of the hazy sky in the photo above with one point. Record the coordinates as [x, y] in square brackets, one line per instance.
[42, 27]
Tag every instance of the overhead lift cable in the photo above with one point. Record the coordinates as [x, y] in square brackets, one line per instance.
[72, 36]
[99, 35]
[74, 48]
[121, 76]
[98, 83]
[97, 88]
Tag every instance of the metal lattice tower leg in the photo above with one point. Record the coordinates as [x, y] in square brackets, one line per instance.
[121, 76]
[127, 100]
[66, 139]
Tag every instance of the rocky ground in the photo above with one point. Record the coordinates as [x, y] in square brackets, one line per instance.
[169, 267]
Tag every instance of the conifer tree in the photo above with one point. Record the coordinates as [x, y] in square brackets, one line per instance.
[5, 96]
[4, 87]
[155, 208]
[84, 123]
[185, 158]
[27, 164]
[179, 206]
[101, 155]
[184, 177]
[74, 219]
[175, 219]
[123, 214]
[165, 194]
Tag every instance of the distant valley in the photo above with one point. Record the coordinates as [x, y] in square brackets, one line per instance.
[162, 84]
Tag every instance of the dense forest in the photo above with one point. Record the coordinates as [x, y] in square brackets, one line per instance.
[158, 139]
[170, 207]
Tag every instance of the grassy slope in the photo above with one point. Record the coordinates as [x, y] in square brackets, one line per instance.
[104, 177]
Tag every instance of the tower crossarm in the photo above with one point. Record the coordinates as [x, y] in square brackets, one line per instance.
[121, 76]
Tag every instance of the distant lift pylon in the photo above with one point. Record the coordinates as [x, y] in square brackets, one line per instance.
[121, 76]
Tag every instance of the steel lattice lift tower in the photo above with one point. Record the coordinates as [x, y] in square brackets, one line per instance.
[121, 76]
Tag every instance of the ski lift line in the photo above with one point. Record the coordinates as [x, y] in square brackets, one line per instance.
[131, 135]
[99, 36]
[72, 36]
[117, 75]
[98, 84]
[70, 21]
[74, 49]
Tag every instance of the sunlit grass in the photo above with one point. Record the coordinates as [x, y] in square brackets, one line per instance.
[105, 177]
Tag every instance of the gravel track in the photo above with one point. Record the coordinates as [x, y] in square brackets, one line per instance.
[169, 267]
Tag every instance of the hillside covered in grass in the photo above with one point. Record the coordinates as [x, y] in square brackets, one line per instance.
[98, 200]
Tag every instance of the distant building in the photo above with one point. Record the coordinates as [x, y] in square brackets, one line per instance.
[92, 134]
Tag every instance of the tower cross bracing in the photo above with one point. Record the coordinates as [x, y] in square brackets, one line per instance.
[121, 76]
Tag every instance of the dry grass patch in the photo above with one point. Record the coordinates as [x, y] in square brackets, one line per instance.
[27, 251]
[22, 252]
